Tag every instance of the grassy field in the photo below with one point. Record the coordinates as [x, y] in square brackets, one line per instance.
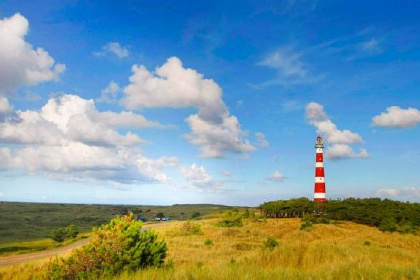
[33, 221]
[335, 251]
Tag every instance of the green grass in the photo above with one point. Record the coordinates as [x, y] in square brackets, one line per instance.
[35, 221]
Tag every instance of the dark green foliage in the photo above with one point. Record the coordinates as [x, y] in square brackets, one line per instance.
[288, 208]
[306, 225]
[59, 235]
[368, 211]
[388, 225]
[208, 242]
[232, 218]
[270, 243]
[248, 214]
[195, 215]
[310, 219]
[30, 221]
[235, 222]
[367, 243]
[115, 247]
[160, 215]
[406, 227]
[72, 231]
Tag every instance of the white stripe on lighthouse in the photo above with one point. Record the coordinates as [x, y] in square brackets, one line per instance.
[319, 150]
[319, 164]
[319, 195]
[319, 179]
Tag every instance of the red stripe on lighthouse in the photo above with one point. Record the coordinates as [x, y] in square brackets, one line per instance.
[319, 172]
[320, 187]
[319, 157]
[319, 194]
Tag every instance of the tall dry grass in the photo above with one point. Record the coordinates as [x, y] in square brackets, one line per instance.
[335, 251]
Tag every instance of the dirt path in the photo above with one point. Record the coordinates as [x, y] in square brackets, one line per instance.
[9, 260]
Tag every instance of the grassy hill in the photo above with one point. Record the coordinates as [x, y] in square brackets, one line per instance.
[335, 251]
[33, 221]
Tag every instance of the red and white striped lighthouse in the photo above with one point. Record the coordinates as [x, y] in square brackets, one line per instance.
[319, 195]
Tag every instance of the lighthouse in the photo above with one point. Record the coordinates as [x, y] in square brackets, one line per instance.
[319, 196]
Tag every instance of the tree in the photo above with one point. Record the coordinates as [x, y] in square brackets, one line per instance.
[59, 235]
[386, 214]
[195, 215]
[72, 231]
[160, 215]
[114, 247]
[388, 225]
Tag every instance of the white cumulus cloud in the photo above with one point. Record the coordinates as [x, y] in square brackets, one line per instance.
[70, 139]
[345, 151]
[20, 63]
[340, 140]
[113, 48]
[262, 141]
[198, 178]
[80, 121]
[402, 193]
[110, 93]
[5, 107]
[396, 117]
[172, 85]
[215, 139]
[276, 176]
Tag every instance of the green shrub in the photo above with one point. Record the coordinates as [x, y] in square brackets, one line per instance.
[315, 219]
[306, 225]
[58, 235]
[208, 242]
[114, 247]
[195, 215]
[270, 243]
[72, 231]
[237, 222]
[407, 227]
[248, 214]
[388, 225]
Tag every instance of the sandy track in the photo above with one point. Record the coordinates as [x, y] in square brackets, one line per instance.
[16, 259]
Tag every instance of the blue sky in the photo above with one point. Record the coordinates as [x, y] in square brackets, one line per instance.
[163, 102]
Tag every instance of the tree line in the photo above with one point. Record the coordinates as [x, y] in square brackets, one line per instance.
[388, 215]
